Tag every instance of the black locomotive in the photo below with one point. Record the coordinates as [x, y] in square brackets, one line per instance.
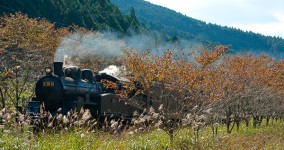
[73, 88]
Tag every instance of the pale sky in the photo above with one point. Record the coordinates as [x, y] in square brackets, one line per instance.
[261, 16]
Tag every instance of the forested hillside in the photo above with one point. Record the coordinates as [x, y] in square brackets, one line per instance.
[102, 15]
[91, 14]
[175, 24]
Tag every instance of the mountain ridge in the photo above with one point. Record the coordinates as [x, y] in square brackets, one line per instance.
[91, 14]
[137, 16]
[173, 23]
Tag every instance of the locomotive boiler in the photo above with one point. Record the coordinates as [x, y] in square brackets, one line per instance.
[72, 88]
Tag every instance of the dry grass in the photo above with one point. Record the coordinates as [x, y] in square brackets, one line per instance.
[78, 131]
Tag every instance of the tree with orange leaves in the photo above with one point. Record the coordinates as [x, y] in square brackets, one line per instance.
[171, 79]
[174, 80]
[28, 44]
[250, 87]
[238, 88]
[26, 39]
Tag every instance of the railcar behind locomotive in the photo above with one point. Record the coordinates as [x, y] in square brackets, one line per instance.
[73, 88]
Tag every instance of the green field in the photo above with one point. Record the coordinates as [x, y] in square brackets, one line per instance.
[262, 137]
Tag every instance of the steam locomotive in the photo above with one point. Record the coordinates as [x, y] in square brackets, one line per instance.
[72, 88]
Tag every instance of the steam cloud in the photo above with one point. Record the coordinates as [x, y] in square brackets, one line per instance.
[78, 46]
[88, 45]
[95, 43]
[115, 70]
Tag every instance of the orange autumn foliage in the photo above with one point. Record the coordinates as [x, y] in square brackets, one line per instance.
[29, 37]
[212, 76]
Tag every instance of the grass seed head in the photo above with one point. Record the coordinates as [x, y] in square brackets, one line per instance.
[65, 120]
[50, 117]
[50, 125]
[86, 115]
[59, 110]
[59, 118]
[161, 108]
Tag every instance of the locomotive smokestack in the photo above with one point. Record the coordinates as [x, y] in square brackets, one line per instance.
[58, 68]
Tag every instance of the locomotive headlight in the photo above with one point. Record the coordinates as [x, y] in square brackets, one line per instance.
[48, 70]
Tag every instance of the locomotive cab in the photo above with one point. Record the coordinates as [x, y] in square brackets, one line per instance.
[88, 75]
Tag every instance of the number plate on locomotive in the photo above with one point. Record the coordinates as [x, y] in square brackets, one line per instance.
[48, 84]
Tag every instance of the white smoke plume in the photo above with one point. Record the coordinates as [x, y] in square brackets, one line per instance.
[118, 71]
[86, 45]
[111, 44]
[78, 47]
